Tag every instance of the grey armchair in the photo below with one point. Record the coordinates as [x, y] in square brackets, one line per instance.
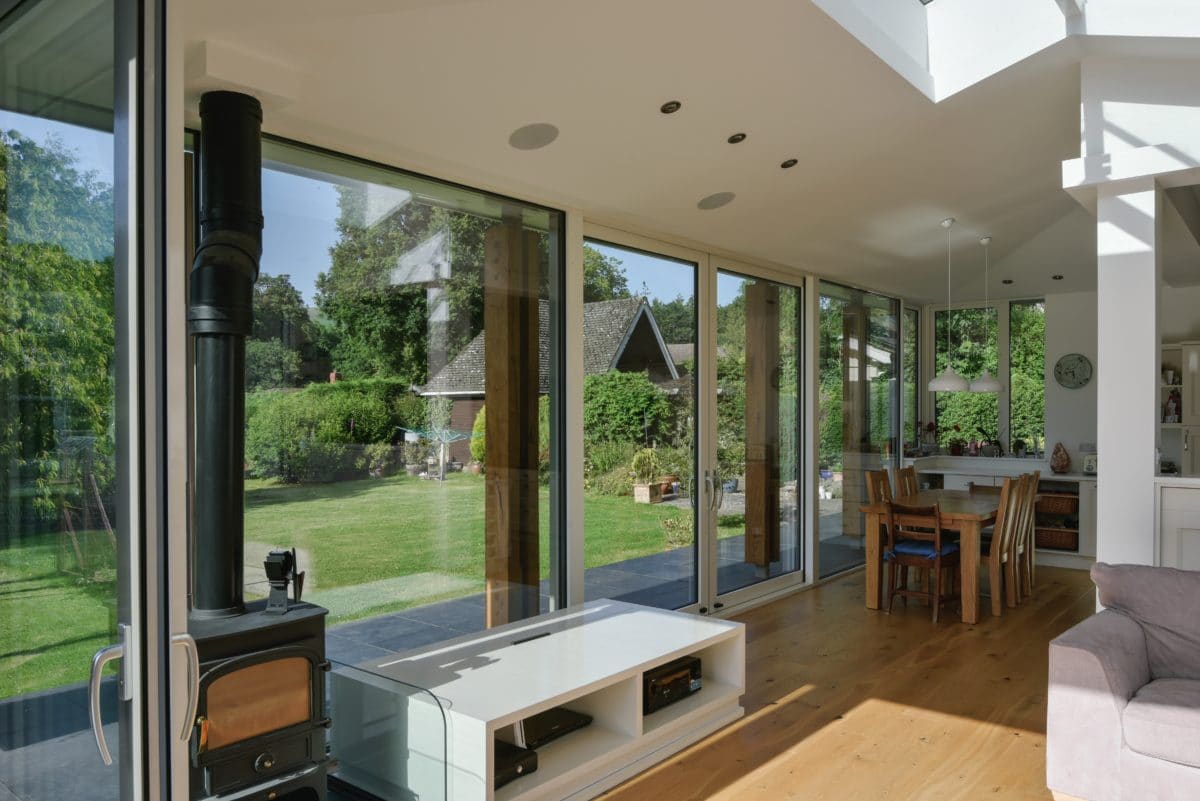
[1123, 712]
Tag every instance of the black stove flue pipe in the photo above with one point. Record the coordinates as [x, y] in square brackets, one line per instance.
[220, 317]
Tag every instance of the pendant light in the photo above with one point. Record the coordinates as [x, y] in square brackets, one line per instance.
[948, 380]
[986, 382]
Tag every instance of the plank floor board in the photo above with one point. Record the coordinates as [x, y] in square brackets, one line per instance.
[846, 703]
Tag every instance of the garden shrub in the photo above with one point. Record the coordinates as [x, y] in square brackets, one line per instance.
[479, 437]
[604, 456]
[676, 461]
[410, 411]
[290, 434]
[616, 482]
[623, 407]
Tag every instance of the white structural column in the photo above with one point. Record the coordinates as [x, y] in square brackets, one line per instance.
[1128, 272]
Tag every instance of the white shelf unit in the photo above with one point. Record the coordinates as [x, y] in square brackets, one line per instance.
[589, 659]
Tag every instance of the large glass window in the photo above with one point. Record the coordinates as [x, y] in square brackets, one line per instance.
[858, 414]
[639, 419]
[910, 401]
[402, 400]
[965, 417]
[1026, 375]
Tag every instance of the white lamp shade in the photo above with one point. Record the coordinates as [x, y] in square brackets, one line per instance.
[949, 381]
[985, 383]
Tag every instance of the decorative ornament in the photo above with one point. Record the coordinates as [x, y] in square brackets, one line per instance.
[1060, 460]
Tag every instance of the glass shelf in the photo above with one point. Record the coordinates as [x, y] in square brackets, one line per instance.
[388, 738]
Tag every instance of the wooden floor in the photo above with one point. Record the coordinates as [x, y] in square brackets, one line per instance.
[845, 703]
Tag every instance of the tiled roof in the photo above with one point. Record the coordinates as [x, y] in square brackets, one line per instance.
[605, 324]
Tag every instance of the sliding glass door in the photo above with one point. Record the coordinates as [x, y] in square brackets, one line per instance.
[756, 511]
[639, 426]
[692, 427]
[77, 714]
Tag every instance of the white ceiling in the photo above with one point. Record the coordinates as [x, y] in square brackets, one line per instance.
[419, 82]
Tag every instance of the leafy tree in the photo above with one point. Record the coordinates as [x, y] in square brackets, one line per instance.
[279, 311]
[973, 343]
[56, 320]
[1027, 332]
[676, 318]
[270, 364]
[603, 278]
[378, 327]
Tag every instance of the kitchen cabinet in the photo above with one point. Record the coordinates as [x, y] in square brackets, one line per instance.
[1179, 527]
[1190, 369]
[1189, 462]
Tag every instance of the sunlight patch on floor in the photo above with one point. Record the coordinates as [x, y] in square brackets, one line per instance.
[885, 750]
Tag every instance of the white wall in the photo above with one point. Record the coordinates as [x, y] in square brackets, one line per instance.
[1131, 103]
[1070, 413]
[1179, 309]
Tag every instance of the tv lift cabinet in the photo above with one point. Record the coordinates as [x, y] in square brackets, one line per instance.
[429, 718]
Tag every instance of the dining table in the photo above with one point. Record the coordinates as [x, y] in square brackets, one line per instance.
[962, 511]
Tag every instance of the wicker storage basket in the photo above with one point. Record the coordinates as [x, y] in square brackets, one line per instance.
[1052, 504]
[1060, 539]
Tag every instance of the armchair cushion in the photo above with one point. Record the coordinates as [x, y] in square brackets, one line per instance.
[1163, 721]
[1164, 602]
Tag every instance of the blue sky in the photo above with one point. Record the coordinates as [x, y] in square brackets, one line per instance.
[299, 229]
[93, 149]
[301, 217]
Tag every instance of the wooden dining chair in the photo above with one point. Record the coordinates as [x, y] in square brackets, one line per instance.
[1017, 549]
[906, 482]
[996, 551]
[879, 486]
[914, 539]
[1027, 564]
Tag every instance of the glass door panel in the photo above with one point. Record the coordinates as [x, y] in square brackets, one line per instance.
[758, 505]
[639, 418]
[65, 461]
[858, 414]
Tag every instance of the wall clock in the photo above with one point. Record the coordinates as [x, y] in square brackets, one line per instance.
[1073, 371]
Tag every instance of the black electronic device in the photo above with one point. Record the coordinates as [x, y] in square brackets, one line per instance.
[513, 762]
[666, 684]
[536, 731]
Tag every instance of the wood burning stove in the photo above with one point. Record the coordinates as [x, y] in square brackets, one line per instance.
[259, 733]
[260, 725]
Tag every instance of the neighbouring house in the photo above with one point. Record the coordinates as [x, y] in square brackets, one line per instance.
[618, 334]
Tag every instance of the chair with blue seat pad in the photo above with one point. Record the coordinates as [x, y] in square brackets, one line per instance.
[915, 539]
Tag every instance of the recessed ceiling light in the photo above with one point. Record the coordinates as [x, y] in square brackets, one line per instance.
[715, 201]
[1056, 277]
[533, 136]
[670, 107]
[1006, 281]
[736, 138]
[787, 165]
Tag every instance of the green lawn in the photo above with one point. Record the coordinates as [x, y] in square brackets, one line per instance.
[369, 546]
[52, 622]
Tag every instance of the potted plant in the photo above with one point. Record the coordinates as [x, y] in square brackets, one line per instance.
[645, 468]
[475, 467]
[1018, 448]
[956, 442]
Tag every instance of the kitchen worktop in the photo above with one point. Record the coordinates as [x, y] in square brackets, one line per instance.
[991, 466]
